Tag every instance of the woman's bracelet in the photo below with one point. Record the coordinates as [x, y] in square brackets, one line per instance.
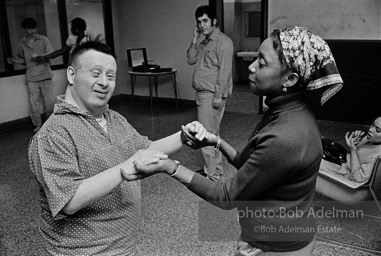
[217, 147]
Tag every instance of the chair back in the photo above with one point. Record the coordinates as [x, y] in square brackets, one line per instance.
[375, 182]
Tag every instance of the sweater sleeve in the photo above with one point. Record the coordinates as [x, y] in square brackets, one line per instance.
[270, 163]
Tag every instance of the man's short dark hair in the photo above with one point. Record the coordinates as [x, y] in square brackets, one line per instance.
[90, 45]
[206, 9]
[28, 23]
[78, 23]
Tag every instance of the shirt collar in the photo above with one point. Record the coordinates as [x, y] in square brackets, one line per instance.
[64, 107]
[214, 34]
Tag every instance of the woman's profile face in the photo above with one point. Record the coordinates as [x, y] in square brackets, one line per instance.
[374, 132]
[266, 76]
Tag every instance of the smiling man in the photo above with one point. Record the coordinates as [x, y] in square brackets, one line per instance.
[77, 157]
[212, 80]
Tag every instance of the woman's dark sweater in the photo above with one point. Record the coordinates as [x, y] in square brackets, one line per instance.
[275, 182]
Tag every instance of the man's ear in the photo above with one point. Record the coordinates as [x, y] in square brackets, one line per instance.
[214, 22]
[291, 79]
[70, 72]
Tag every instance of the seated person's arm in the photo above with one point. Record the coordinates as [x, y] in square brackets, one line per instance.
[362, 174]
[351, 141]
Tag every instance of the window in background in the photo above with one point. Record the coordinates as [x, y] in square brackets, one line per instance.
[2, 56]
[45, 12]
[53, 18]
[91, 12]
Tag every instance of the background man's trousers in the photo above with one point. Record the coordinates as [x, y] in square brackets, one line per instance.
[210, 118]
[40, 92]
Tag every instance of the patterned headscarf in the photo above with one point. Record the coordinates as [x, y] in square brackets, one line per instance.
[309, 56]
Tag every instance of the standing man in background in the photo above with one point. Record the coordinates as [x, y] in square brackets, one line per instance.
[38, 72]
[212, 80]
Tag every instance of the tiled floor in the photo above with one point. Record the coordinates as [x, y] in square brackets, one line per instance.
[170, 221]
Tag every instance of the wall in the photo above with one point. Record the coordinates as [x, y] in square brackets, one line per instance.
[352, 30]
[14, 99]
[339, 19]
[234, 27]
[165, 28]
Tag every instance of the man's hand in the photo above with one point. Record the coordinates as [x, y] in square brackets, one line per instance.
[148, 156]
[196, 34]
[146, 169]
[217, 102]
[162, 166]
[144, 157]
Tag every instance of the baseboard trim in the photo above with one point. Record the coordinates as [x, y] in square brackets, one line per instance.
[15, 124]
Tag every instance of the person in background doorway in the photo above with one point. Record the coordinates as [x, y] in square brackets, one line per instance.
[77, 37]
[212, 80]
[38, 72]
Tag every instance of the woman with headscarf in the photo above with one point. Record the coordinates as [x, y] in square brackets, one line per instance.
[274, 187]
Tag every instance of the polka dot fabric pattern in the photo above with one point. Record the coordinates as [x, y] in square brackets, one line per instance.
[71, 147]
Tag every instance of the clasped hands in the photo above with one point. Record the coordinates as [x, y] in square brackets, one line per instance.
[148, 162]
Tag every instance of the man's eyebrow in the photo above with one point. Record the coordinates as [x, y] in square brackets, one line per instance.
[95, 66]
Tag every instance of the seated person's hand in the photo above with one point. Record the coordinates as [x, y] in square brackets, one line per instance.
[144, 157]
[196, 136]
[356, 136]
[351, 141]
